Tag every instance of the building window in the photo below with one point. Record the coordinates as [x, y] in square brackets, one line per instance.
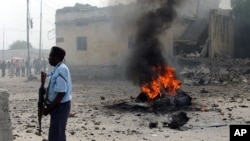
[131, 41]
[81, 43]
[58, 40]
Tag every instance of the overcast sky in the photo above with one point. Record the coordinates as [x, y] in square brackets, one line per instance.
[13, 19]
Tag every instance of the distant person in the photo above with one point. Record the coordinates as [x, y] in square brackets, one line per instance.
[23, 68]
[8, 67]
[58, 97]
[3, 67]
[12, 69]
[18, 68]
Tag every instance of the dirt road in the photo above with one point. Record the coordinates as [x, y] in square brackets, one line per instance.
[214, 105]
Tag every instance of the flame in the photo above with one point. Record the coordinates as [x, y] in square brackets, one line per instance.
[165, 82]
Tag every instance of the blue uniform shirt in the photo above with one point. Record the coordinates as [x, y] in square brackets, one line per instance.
[60, 81]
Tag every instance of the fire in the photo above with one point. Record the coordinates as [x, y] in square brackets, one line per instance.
[165, 82]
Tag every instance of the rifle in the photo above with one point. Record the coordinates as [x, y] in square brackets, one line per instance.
[41, 102]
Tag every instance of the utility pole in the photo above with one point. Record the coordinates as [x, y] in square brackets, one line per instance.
[197, 9]
[40, 40]
[28, 59]
[3, 43]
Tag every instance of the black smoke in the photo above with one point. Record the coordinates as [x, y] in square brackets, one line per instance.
[148, 51]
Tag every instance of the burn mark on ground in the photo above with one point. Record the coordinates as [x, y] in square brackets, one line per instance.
[164, 104]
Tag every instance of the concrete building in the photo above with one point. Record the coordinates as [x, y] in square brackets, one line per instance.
[90, 37]
[100, 38]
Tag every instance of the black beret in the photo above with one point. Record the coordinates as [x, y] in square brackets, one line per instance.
[58, 51]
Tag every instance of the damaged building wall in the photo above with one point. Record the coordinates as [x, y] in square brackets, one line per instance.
[221, 34]
[195, 34]
[90, 38]
[87, 36]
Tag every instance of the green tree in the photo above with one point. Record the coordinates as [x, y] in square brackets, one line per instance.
[19, 45]
[241, 13]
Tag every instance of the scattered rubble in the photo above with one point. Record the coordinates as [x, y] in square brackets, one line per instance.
[204, 71]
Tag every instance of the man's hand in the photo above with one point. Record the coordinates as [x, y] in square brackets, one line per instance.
[54, 104]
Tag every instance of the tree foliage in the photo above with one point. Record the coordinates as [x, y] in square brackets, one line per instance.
[19, 45]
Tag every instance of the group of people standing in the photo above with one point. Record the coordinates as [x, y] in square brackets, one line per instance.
[14, 68]
[18, 68]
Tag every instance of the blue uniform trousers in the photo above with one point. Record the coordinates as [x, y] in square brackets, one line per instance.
[58, 122]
